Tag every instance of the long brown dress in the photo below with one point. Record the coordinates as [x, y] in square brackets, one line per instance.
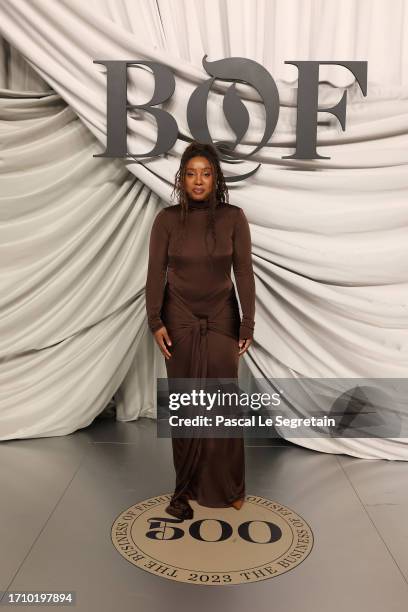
[198, 305]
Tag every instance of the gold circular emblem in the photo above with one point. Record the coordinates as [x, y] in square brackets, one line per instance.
[219, 546]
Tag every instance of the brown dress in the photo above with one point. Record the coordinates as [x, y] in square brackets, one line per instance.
[198, 305]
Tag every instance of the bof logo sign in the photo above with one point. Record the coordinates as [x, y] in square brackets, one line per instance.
[236, 70]
[220, 547]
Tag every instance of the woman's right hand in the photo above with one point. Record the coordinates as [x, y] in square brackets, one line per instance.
[161, 335]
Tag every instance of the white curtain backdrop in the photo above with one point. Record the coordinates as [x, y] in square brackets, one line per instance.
[330, 248]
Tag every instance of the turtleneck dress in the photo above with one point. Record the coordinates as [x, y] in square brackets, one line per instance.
[195, 299]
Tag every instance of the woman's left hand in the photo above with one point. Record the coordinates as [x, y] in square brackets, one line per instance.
[244, 345]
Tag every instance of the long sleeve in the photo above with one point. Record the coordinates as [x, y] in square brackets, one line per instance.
[156, 271]
[244, 275]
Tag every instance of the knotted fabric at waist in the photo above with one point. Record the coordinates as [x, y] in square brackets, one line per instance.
[180, 321]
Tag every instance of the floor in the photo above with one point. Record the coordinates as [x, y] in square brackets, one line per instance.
[60, 496]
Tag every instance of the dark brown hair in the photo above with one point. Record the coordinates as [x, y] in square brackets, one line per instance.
[219, 192]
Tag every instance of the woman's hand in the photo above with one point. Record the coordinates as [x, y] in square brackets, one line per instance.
[161, 335]
[244, 345]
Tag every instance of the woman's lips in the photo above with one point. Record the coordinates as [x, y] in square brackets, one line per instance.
[198, 190]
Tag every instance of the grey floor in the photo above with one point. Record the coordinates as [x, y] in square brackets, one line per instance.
[59, 497]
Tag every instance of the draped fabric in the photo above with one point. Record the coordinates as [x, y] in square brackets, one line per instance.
[329, 236]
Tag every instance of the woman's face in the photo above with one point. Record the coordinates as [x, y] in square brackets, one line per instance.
[199, 178]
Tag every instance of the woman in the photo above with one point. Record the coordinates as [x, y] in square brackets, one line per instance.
[194, 315]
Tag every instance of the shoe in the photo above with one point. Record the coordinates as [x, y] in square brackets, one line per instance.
[181, 509]
[237, 504]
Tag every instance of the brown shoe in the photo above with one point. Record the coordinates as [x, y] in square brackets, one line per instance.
[237, 504]
[180, 508]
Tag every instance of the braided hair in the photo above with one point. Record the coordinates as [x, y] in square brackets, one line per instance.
[219, 193]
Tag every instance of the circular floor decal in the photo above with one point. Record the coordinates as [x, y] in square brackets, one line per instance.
[218, 546]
